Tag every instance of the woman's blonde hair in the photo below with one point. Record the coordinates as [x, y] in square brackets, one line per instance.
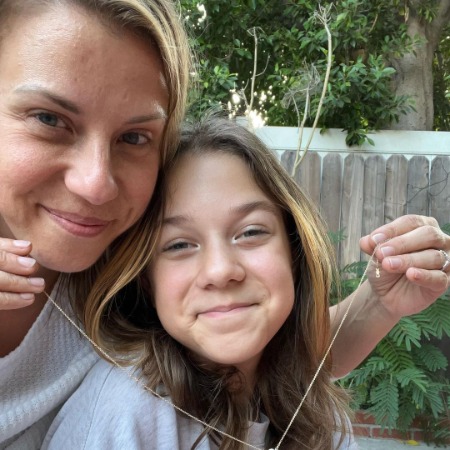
[159, 23]
[291, 359]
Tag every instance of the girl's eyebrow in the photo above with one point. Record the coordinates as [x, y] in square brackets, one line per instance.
[239, 210]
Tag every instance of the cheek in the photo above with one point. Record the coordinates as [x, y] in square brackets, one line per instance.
[23, 168]
[139, 186]
[170, 286]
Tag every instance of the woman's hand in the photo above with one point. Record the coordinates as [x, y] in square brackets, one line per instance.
[410, 263]
[17, 284]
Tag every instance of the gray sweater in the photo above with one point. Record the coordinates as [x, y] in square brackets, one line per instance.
[110, 411]
[38, 376]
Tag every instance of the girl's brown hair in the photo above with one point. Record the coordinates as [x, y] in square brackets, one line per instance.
[291, 358]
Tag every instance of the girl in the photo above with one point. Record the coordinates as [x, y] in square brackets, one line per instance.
[238, 319]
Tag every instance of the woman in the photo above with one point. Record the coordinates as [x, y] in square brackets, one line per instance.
[91, 96]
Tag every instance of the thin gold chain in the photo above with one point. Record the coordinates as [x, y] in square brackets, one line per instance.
[164, 399]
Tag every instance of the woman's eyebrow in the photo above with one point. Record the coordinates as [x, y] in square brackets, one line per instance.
[73, 108]
[54, 98]
[157, 115]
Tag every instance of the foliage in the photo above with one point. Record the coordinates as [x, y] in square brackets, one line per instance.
[367, 35]
[441, 73]
[403, 379]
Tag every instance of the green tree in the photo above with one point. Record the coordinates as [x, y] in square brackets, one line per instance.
[382, 68]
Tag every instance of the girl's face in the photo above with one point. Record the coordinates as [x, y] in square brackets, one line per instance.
[82, 112]
[222, 274]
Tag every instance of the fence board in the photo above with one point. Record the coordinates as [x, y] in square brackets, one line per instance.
[374, 190]
[352, 207]
[308, 176]
[440, 189]
[331, 194]
[418, 183]
[396, 187]
[331, 198]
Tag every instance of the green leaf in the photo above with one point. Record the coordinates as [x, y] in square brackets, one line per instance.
[406, 331]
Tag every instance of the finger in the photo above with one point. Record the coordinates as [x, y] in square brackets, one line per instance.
[9, 300]
[404, 224]
[11, 283]
[394, 229]
[429, 259]
[434, 280]
[419, 239]
[17, 264]
[18, 247]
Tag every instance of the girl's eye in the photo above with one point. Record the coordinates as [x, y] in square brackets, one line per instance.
[49, 119]
[252, 232]
[134, 138]
[177, 246]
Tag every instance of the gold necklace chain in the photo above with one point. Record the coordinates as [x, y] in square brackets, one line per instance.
[186, 413]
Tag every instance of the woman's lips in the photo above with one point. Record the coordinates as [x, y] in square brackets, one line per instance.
[76, 224]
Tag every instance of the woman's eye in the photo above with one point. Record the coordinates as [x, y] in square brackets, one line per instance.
[134, 138]
[49, 119]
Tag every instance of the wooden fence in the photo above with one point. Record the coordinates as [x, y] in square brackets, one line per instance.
[359, 189]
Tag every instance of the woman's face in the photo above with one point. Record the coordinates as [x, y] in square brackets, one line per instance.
[82, 113]
[222, 273]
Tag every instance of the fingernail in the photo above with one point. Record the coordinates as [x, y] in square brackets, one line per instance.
[39, 282]
[388, 251]
[26, 262]
[395, 263]
[21, 243]
[27, 296]
[379, 238]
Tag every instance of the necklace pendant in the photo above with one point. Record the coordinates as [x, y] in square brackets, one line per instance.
[377, 272]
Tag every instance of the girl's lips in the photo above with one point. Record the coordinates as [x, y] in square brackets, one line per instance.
[221, 311]
[77, 225]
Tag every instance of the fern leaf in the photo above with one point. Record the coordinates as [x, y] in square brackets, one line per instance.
[407, 413]
[384, 399]
[406, 331]
[431, 357]
[397, 357]
[435, 399]
[438, 315]
[414, 376]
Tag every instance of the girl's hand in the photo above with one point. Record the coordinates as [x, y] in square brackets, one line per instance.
[17, 284]
[410, 264]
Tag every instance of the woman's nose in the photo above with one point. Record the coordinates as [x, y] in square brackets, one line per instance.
[90, 174]
[220, 266]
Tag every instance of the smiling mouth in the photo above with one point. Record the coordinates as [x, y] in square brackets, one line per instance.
[77, 225]
[227, 310]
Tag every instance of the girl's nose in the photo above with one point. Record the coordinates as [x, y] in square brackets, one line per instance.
[220, 266]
